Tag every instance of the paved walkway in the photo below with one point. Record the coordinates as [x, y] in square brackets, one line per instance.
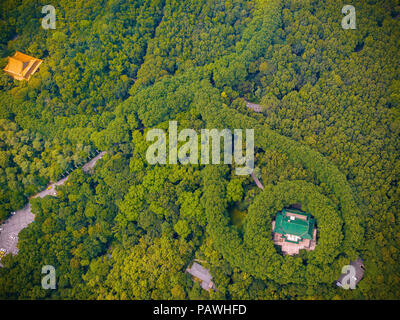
[92, 162]
[23, 217]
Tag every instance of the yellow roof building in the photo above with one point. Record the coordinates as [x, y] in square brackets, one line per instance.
[21, 66]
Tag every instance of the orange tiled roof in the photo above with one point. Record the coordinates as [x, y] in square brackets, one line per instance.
[21, 66]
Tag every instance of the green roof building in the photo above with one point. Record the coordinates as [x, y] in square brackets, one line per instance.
[294, 225]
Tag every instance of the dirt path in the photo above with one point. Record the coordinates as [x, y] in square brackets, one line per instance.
[258, 182]
[253, 106]
[256, 108]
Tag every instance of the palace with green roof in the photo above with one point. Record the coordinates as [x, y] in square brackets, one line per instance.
[294, 225]
[294, 230]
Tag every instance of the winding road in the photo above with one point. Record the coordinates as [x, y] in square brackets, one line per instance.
[10, 229]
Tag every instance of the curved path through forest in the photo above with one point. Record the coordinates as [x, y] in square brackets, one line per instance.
[23, 217]
[10, 229]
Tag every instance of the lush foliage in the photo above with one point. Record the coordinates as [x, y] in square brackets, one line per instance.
[328, 137]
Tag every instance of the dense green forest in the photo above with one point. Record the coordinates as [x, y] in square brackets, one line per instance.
[327, 137]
